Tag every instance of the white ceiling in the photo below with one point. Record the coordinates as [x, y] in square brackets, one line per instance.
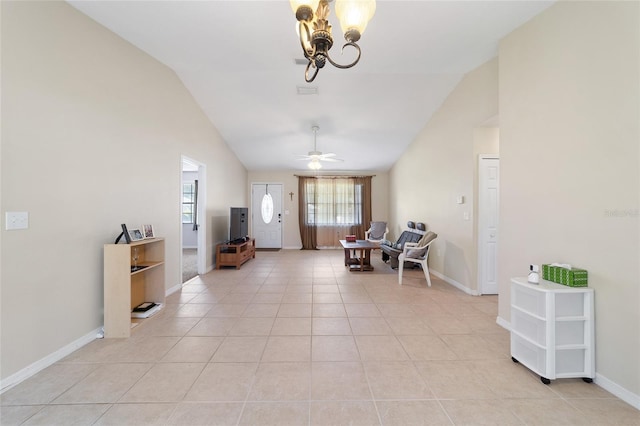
[237, 60]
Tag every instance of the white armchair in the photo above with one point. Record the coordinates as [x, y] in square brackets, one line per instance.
[417, 253]
[377, 232]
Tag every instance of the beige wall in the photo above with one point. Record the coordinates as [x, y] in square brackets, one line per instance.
[569, 148]
[441, 165]
[290, 229]
[93, 131]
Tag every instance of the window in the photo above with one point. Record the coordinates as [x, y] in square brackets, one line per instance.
[331, 207]
[188, 202]
[267, 208]
[334, 202]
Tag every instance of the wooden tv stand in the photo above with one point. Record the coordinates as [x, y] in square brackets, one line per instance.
[231, 254]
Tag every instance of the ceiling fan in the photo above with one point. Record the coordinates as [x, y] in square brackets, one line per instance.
[316, 156]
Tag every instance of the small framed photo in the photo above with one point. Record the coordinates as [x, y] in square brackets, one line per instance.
[135, 235]
[147, 231]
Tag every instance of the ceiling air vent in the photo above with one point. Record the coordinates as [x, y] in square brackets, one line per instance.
[301, 61]
[307, 90]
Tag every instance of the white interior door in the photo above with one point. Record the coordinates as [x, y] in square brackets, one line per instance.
[488, 211]
[266, 214]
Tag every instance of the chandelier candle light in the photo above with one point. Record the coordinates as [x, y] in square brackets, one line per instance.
[315, 30]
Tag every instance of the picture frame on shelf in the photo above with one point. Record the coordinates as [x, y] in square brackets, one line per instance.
[147, 231]
[125, 234]
[135, 235]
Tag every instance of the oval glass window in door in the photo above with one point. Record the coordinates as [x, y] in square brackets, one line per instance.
[267, 208]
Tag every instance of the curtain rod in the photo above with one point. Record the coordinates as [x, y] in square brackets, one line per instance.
[334, 176]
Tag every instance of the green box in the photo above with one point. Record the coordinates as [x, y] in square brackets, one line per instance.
[546, 272]
[550, 273]
[574, 277]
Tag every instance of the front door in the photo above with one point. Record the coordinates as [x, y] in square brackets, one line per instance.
[488, 208]
[266, 214]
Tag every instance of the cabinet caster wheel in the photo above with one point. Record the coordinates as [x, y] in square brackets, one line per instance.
[587, 379]
[545, 380]
[514, 360]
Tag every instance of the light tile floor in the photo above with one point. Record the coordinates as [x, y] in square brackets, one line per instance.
[293, 338]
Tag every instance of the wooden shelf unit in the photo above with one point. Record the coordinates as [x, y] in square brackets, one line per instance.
[231, 254]
[124, 290]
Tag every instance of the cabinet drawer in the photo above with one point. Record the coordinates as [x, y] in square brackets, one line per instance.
[528, 300]
[227, 257]
[570, 333]
[570, 304]
[529, 355]
[530, 327]
[571, 362]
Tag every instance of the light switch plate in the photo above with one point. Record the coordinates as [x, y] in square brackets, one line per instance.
[16, 220]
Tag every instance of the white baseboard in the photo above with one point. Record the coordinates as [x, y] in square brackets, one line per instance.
[175, 288]
[503, 323]
[617, 390]
[50, 359]
[292, 248]
[454, 283]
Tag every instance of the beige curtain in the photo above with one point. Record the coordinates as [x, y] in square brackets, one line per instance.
[365, 206]
[306, 219]
[332, 207]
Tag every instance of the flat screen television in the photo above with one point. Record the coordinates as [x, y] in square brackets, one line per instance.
[238, 223]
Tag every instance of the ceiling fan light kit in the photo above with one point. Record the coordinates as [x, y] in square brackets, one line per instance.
[314, 164]
[315, 30]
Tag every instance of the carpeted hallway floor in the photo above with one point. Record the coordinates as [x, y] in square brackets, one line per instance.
[189, 264]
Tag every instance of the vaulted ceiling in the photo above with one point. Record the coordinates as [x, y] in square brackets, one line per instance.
[237, 58]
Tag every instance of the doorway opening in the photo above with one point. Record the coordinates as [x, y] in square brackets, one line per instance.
[192, 218]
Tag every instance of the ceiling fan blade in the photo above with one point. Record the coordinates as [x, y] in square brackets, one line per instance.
[315, 155]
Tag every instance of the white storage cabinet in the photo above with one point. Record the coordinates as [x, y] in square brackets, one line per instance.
[552, 329]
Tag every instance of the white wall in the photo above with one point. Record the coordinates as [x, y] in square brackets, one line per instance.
[93, 131]
[440, 165]
[290, 228]
[569, 148]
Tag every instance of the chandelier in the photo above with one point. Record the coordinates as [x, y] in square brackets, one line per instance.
[315, 30]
